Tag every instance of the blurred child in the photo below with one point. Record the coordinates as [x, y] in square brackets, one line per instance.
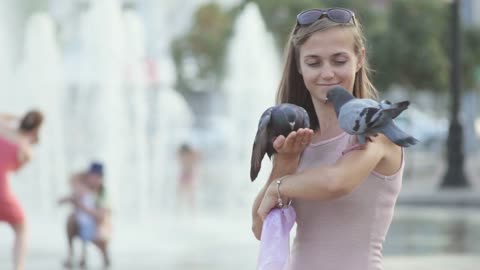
[82, 198]
[188, 158]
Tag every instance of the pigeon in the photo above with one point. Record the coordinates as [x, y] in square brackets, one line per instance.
[275, 121]
[365, 117]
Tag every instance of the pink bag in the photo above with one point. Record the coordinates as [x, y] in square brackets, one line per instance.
[275, 239]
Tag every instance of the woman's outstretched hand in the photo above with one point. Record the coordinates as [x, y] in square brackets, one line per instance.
[288, 151]
[292, 146]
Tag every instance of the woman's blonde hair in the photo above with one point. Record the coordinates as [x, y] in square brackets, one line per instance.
[292, 88]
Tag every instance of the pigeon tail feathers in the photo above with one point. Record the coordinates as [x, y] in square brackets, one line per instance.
[398, 136]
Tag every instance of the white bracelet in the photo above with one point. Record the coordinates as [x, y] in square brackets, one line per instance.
[279, 199]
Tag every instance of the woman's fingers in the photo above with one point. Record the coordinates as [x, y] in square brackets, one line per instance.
[295, 142]
[284, 145]
[300, 141]
[308, 136]
[278, 143]
[303, 138]
[290, 141]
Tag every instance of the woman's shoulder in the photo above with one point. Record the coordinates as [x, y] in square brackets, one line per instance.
[392, 158]
[9, 135]
[10, 142]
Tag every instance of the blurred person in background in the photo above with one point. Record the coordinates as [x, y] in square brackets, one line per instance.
[188, 158]
[86, 224]
[344, 202]
[16, 140]
[98, 211]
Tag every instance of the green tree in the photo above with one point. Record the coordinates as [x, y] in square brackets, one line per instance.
[280, 16]
[471, 57]
[412, 51]
[199, 54]
[407, 43]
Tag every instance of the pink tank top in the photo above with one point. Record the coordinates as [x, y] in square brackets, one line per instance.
[348, 232]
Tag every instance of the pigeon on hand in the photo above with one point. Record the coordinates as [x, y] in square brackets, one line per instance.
[275, 121]
[366, 117]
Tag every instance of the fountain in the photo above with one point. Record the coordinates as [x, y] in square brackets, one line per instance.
[253, 74]
[105, 113]
[136, 97]
[6, 52]
[100, 107]
[38, 83]
[135, 174]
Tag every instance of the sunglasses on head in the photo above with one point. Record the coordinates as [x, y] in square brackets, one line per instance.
[338, 15]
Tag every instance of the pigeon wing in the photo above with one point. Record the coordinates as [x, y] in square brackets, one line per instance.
[353, 116]
[397, 136]
[260, 144]
[306, 118]
[396, 109]
[386, 112]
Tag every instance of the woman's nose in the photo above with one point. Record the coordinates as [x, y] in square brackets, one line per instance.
[327, 73]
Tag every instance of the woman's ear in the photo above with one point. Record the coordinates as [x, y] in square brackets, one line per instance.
[361, 59]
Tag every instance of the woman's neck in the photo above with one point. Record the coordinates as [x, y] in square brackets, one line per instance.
[328, 122]
[23, 135]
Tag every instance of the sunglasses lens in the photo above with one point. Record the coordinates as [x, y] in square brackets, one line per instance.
[309, 16]
[339, 15]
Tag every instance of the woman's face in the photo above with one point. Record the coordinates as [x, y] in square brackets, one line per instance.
[328, 59]
[33, 136]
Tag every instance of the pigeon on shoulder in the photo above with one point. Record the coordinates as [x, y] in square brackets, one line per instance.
[275, 121]
[365, 117]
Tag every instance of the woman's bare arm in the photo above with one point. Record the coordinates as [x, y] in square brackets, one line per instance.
[280, 168]
[333, 181]
[6, 117]
[329, 182]
[24, 152]
[285, 162]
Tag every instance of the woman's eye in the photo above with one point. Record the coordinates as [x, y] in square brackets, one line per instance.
[339, 62]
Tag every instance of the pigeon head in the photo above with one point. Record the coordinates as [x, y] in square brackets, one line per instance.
[339, 96]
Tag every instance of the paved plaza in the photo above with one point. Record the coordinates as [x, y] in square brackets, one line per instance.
[208, 241]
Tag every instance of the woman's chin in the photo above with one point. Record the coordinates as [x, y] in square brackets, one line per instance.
[320, 99]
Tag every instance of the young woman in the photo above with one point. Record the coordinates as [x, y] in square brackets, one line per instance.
[15, 151]
[344, 202]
